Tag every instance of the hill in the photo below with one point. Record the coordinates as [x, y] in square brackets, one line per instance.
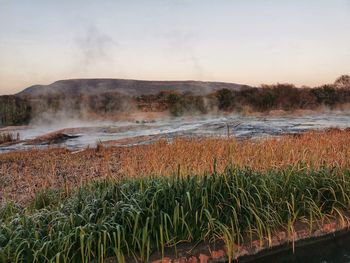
[126, 87]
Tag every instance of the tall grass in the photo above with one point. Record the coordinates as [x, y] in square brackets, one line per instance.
[22, 174]
[133, 218]
[313, 150]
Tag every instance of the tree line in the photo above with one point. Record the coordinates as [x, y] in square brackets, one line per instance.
[15, 110]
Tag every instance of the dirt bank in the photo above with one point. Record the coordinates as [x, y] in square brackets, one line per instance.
[299, 236]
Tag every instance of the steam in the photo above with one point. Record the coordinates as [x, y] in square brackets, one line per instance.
[95, 49]
[106, 106]
[184, 45]
[55, 118]
[91, 132]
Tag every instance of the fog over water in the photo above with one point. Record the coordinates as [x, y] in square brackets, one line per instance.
[143, 132]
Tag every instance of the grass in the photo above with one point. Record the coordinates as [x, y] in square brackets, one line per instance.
[133, 218]
[22, 174]
[313, 150]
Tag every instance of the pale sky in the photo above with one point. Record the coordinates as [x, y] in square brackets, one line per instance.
[305, 42]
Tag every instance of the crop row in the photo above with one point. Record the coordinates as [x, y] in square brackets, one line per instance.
[133, 218]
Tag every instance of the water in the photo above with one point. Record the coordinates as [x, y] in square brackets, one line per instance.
[91, 133]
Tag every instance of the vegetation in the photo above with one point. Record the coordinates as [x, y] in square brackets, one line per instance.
[16, 110]
[283, 97]
[135, 217]
[22, 174]
[343, 82]
[129, 203]
[269, 97]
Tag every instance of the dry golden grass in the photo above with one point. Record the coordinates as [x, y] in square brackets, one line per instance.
[24, 173]
[196, 156]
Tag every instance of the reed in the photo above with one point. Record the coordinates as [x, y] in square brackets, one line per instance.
[22, 174]
[133, 218]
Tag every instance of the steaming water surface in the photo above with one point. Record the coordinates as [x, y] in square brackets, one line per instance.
[141, 132]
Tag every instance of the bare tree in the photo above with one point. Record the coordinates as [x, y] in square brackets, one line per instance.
[343, 82]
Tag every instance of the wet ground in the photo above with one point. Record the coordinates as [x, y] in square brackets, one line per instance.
[83, 134]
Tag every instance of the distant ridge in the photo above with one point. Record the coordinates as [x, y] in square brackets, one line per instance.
[125, 86]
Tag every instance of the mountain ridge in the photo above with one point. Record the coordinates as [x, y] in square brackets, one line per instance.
[131, 87]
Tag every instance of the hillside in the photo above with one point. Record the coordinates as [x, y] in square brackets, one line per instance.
[124, 86]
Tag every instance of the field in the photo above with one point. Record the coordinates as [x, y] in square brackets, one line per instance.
[121, 204]
[22, 174]
[174, 132]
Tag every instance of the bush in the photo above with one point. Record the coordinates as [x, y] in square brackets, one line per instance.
[225, 99]
[326, 95]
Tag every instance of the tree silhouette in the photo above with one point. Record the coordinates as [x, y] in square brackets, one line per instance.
[343, 82]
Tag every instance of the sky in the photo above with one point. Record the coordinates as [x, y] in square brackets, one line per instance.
[305, 42]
